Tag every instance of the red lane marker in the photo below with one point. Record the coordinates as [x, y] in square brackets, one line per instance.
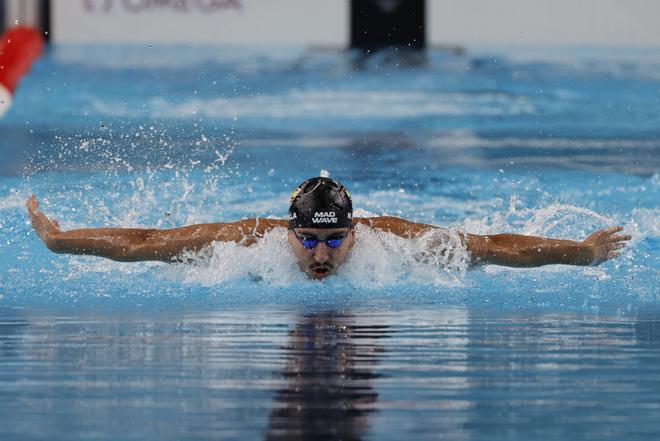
[19, 47]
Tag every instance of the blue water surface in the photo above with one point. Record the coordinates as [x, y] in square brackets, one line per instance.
[239, 344]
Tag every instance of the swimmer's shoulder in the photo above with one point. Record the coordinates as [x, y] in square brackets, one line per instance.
[394, 225]
[257, 227]
[244, 231]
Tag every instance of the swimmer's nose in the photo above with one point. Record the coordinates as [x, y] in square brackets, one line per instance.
[321, 253]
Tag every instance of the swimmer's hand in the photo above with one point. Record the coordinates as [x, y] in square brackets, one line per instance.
[45, 227]
[604, 245]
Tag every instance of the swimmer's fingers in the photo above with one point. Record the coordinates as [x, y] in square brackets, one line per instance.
[605, 244]
[612, 238]
[41, 223]
[607, 233]
[616, 246]
[608, 252]
[606, 236]
[619, 238]
[32, 204]
[598, 236]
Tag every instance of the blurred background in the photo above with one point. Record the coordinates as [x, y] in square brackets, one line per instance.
[338, 23]
[586, 33]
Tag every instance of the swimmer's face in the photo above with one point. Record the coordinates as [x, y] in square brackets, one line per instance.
[322, 260]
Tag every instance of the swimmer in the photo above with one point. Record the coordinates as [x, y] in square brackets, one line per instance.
[321, 233]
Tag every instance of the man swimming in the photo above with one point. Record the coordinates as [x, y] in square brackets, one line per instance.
[321, 233]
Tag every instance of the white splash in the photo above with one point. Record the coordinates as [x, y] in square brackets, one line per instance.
[554, 220]
[13, 200]
[645, 222]
[377, 259]
[269, 260]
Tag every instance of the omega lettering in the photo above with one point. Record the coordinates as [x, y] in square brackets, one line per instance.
[180, 6]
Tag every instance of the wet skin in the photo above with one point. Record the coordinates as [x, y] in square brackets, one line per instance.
[321, 261]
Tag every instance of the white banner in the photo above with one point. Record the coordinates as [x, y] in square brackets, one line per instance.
[544, 22]
[326, 22]
[254, 22]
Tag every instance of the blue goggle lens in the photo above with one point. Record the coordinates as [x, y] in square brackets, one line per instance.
[312, 243]
[334, 243]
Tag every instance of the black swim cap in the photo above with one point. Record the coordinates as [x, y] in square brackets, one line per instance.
[320, 203]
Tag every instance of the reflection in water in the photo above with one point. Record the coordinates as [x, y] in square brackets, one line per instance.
[551, 376]
[449, 373]
[647, 327]
[328, 394]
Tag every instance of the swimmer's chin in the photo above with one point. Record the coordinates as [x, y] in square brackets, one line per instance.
[320, 273]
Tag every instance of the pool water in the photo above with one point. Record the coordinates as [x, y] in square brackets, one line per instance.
[238, 344]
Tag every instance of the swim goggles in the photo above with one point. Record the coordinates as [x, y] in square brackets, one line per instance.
[310, 241]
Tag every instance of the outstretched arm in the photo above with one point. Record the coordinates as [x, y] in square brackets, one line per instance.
[528, 251]
[517, 250]
[138, 244]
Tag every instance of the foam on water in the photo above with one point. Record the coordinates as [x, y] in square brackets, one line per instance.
[555, 219]
[379, 259]
[336, 104]
[13, 200]
[269, 260]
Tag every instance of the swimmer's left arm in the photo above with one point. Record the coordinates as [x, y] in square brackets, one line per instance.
[516, 250]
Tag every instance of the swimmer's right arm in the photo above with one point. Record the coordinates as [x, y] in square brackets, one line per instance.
[517, 250]
[141, 244]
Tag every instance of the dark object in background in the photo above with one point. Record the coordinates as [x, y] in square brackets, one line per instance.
[2, 16]
[379, 24]
[32, 13]
[44, 19]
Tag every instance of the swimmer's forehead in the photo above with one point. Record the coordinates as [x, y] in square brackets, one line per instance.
[321, 231]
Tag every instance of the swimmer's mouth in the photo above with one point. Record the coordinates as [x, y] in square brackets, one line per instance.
[320, 272]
